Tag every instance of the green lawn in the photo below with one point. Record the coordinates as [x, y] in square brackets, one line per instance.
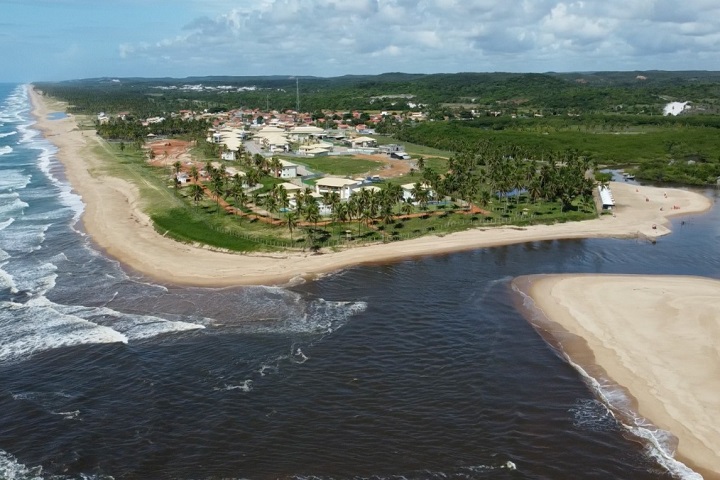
[413, 149]
[338, 165]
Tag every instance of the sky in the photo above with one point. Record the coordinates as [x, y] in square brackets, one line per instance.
[48, 40]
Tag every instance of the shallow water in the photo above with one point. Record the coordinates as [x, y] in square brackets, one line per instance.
[419, 369]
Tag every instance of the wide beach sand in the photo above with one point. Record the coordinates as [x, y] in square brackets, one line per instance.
[115, 220]
[656, 336]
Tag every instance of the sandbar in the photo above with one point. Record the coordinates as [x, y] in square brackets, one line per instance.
[114, 218]
[658, 337]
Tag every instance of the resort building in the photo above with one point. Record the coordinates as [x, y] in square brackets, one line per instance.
[288, 169]
[409, 188]
[343, 186]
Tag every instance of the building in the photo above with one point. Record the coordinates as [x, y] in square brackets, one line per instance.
[288, 169]
[408, 189]
[606, 197]
[343, 186]
[306, 133]
[363, 142]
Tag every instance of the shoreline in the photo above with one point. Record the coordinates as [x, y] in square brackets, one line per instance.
[114, 219]
[651, 350]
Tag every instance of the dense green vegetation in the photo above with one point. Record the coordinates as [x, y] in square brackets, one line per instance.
[680, 153]
[613, 117]
[552, 92]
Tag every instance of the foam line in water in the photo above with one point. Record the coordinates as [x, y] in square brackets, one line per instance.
[10, 468]
[660, 445]
[33, 327]
[4, 150]
[6, 280]
[14, 180]
[131, 326]
[3, 135]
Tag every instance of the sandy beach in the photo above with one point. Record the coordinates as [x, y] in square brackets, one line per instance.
[115, 220]
[656, 336]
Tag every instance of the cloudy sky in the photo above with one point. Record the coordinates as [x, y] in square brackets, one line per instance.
[67, 39]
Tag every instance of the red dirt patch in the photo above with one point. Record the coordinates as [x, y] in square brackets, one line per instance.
[391, 167]
[168, 152]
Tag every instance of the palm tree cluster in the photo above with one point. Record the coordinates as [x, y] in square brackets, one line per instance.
[484, 172]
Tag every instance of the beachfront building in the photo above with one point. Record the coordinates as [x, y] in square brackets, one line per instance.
[287, 169]
[273, 139]
[408, 190]
[342, 186]
[606, 197]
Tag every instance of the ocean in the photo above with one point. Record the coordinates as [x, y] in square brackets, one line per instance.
[421, 369]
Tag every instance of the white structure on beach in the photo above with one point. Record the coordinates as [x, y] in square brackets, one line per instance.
[606, 197]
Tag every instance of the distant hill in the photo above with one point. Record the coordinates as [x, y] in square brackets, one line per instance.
[588, 92]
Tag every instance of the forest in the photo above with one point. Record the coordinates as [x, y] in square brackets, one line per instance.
[614, 118]
[552, 93]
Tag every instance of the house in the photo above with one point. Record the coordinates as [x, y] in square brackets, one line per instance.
[343, 186]
[230, 138]
[363, 142]
[288, 169]
[315, 150]
[409, 188]
[291, 188]
[390, 148]
[306, 133]
[272, 139]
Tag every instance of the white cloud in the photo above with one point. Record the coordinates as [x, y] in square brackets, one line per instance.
[334, 37]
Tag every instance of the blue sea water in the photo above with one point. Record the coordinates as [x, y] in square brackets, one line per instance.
[424, 368]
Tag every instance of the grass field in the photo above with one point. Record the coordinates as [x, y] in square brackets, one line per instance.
[337, 165]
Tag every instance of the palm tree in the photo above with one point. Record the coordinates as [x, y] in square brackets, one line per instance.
[197, 192]
[271, 204]
[276, 166]
[218, 187]
[194, 174]
[312, 213]
[177, 166]
[406, 208]
[291, 222]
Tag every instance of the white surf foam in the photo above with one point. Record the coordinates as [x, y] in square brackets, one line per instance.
[11, 469]
[4, 150]
[3, 135]
[11, 205]
[6, 280]
[131, 326]
[33, 327]
[23, 238]
[14, 180]
[6, 223]
[246, 386]
[46, 161]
